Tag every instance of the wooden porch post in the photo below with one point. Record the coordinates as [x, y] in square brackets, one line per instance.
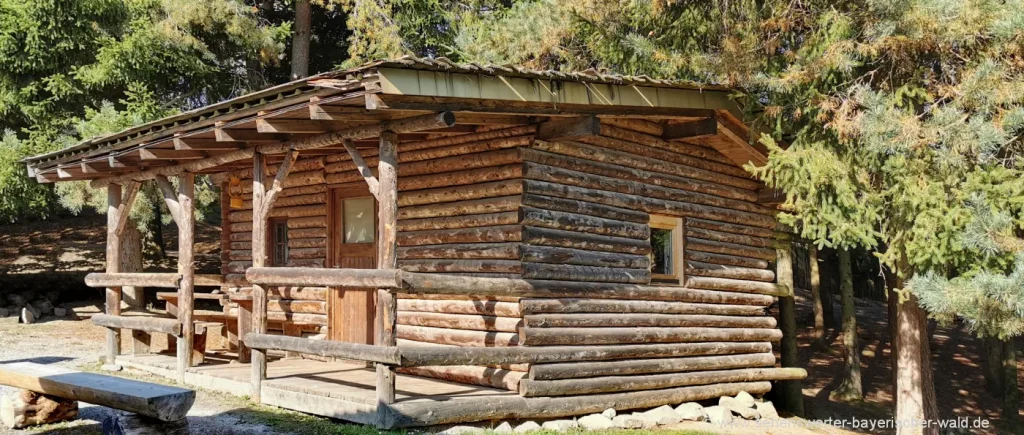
[387, 258]
[792, 392]
[263, 198]
[113, 294]
[186, 267]
[259, 259]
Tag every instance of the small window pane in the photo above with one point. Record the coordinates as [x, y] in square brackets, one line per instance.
[661, 244]
[359, 220]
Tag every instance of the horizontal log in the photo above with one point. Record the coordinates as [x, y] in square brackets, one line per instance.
[726, 260]
[586, 208]
[307, 222]
[452, 222]
[298, 276]
[139, 323]
[289, 212]
[560, 220]
[589, 242]
[670, 150]
[591, 369]
[720, 236]
[473, 286]
[704, 245]
[474, 322]
[161, 280]
[581, 305]
[307, 253]
[301, 293]
[297, 306]
[429, 413]
[556, 255]
[305, 233]
[460, 178]
[279, 316]
[464, 162]
[298, 243]
[483, 356]
[461, 193]
[649, 205]
[697, 268]
[499, 234]
[641, 125]
[461, 208]
[445, 265]
[457, 337]
[569, 272]
[324, 348]
[611, 384]
[765, 233]
[488, 377]
[483, 307]
[578, 336]
[591, 320]
[737, 285]
[505, 251]
[317, 263]
[405, 345]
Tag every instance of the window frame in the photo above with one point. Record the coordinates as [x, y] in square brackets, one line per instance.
[676, 227]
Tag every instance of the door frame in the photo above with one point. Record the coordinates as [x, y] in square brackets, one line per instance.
[335, 193]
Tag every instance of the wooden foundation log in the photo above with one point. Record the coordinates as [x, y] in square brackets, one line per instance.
[731, 272]
[452, 222]
[585, 208]
[575, 336]
[481, 307]
[473, 375]
[581, 305]
[590, 242]
[428, 413]
[727, 260]
[556, 255]
[457, 337]
[474, 322]
[28, 408]
[737, 285]
[613, 384]
[149, 324]
[569, 272]
[558, 220]
[591, 369]
[590, 320]
[497, 251]
[461, 208]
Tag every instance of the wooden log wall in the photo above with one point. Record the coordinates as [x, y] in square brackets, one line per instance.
[501, 203]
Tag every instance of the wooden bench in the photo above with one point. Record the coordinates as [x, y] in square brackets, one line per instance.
[163, 402]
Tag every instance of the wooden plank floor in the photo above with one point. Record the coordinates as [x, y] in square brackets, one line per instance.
[348, 381]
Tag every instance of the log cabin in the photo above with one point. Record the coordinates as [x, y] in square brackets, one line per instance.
[403, 239]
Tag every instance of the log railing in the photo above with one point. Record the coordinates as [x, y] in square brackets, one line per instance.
[161, 280]
[148, 324]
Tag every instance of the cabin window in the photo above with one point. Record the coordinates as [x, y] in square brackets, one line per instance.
[667, 249]
[358, 220]
[279, 242]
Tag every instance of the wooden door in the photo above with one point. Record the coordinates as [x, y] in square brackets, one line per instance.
[353, 241]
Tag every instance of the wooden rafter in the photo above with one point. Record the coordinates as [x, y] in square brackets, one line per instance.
[569, 128]
[691, 129]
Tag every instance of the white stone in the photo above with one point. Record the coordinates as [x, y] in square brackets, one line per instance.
[718, 415]
[560, 425]
[732, 402]
[663, 415]
[111, 367]
[745, 399]
[746, 413]
[691, 411]
[460, 430]
[766, 410]
[628, 421]
[526, 427]
[609, 413]
[596, 422]
[504, 427]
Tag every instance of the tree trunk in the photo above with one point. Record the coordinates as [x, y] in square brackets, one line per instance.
[826, 273]
[818, 334]
[792, 391]
[131, 261]
[1011, 398]
[850, 388]
[157, 229]
[993, 365]
[300, 40]
[915, 386]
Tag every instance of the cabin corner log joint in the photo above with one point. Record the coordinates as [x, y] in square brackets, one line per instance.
[566, 252]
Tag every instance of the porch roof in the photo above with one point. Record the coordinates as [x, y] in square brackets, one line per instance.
[478, 95]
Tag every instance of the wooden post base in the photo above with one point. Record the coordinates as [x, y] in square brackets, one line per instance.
[28, 408]
[133, 424]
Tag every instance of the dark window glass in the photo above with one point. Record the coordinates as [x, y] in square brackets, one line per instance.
[279, 242]
[661, 244]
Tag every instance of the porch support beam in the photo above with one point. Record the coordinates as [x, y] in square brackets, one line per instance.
[119, 205]
[263, 198]
[404, 125]
[187, 270]
[387, 258]
[791, 390]
[363, 168]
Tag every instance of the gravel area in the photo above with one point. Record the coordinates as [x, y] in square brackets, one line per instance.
[78, 344]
